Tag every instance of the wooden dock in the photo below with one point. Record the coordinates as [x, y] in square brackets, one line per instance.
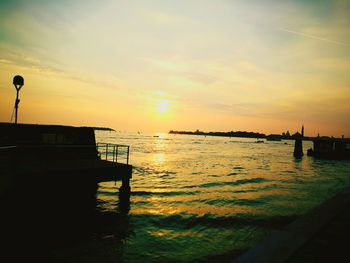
[59, 157]
[99, 170]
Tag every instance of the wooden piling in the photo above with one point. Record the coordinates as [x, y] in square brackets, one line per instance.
[298, 146]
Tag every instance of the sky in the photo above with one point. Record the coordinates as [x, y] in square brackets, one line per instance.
[156, 65]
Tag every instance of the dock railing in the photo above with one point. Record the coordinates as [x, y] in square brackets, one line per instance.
[105, 151]
[113, 152]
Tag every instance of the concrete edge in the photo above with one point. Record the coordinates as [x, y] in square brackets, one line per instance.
[282, 244]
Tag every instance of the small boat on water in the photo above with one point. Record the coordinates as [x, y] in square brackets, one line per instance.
[273, 137]
[259, 141]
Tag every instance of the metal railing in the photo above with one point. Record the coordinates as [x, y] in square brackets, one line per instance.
[105, 151]
[113, 152]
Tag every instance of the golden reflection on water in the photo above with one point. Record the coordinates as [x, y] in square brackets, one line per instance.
[223, 196]
[161, 135]
[171, 234]
[159, 209]
[158, 158]
[198, 210]
[196, 204]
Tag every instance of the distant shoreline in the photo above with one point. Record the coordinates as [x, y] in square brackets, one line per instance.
[101, 128]
[241, 134]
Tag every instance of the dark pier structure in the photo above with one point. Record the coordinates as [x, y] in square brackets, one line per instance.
[59, 159]
[330, 148]
[49, 177]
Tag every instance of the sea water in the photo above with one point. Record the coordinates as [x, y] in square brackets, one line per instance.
[204, 198]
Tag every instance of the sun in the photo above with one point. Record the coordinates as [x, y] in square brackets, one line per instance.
[163, 106]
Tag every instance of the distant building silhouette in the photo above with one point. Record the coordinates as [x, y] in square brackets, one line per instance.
[302, 131]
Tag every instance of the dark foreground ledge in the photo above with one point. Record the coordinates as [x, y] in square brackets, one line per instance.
[319, 236]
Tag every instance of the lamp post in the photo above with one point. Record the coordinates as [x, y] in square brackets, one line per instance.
[18, 82]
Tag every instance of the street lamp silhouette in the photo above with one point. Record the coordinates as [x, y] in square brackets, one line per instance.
[18, 82]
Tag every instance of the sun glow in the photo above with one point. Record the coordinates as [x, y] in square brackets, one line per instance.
[163, 106]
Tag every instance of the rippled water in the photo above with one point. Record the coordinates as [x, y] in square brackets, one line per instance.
[197, 198]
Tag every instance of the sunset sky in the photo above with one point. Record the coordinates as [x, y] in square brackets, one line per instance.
[264, 66]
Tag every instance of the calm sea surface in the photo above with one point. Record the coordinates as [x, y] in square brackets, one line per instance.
[197, 198]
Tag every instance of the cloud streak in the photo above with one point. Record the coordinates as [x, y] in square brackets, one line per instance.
[314, 37]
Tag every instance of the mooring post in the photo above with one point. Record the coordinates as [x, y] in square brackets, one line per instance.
[298, 146]
[124, 195]
[125, 188]
[124, 192]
